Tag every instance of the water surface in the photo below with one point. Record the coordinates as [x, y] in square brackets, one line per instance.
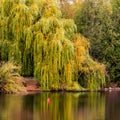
[63, 106]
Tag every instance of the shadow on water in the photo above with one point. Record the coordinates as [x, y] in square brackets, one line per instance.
[62, 106]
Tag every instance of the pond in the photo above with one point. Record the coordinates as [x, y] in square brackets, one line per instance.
[61, 106]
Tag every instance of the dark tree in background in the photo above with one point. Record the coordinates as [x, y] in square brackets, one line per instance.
[99, 21]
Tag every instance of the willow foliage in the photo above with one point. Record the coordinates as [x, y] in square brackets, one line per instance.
[9, 73]
[91, 73]
[35, 36]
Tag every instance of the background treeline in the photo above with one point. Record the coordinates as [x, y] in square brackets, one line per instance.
[99, 21]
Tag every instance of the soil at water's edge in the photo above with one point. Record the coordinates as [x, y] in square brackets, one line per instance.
[31, 85]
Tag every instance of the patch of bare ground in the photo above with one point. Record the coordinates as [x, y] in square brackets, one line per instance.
[31, 85]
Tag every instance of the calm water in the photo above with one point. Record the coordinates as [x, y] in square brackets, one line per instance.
[63, 106]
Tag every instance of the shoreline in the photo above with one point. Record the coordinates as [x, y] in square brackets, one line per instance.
[32, 86]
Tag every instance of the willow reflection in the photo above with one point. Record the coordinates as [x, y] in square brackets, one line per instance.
[62, 106]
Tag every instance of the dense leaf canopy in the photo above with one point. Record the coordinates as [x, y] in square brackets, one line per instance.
[35, 36]
[99, 21]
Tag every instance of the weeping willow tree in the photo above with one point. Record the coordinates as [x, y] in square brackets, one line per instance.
[34, 35]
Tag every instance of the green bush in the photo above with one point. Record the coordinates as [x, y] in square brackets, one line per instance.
[9, 73]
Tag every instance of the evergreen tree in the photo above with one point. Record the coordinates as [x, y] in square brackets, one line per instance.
[99, 21]
[114, 56]
[93, 20]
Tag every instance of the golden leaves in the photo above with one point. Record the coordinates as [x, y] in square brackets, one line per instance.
[45, 44]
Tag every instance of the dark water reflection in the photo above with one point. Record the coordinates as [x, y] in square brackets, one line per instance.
[63, 106]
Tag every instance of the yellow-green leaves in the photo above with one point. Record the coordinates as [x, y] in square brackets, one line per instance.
[91, 73]
[45, 46]
[9, 74]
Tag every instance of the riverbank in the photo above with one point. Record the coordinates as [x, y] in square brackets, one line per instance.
[32, 86]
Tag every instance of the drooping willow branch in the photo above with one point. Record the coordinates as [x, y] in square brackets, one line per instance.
[35, 36]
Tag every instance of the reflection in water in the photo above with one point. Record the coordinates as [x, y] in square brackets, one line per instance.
[113, 106]
[91, 106]
[63, 106]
